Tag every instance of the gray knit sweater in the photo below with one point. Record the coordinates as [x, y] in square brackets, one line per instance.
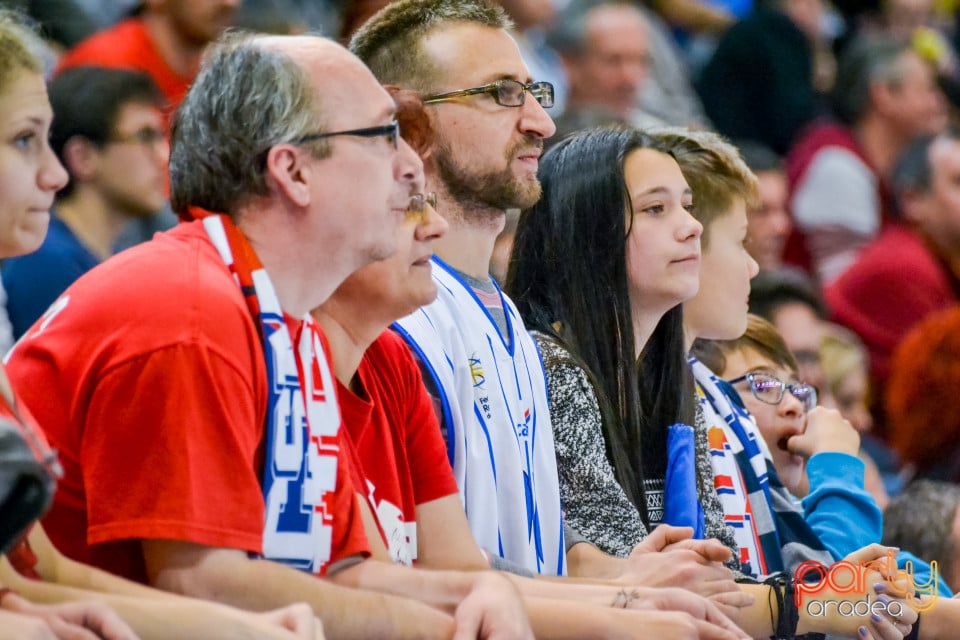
[594, 504]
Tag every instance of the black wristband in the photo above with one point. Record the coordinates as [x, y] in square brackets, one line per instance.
[788, 617]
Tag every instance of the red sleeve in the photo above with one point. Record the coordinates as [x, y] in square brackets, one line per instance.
[427, 452]
[170, 449]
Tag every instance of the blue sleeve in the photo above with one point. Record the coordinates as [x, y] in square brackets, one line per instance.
[33, 282]
[842, 513]
[921, 570]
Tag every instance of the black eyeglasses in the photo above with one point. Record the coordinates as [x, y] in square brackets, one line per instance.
[418, 204]
[769, 389]
[390, 131]
[506, 92]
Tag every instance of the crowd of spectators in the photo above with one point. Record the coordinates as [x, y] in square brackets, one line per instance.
[838, 124]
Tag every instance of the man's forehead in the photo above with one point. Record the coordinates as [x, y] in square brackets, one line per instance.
[335, 74]
[304, 47]
[467, 53]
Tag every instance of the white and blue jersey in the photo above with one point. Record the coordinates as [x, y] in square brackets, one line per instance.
[499, 437]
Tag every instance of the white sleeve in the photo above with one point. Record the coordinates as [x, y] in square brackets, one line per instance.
[837, 206]
[838, 189]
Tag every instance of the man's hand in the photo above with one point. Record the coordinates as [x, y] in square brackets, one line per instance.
[675, 599]
[74, 620]
[669, 558]
[298, 619]
[493, 610]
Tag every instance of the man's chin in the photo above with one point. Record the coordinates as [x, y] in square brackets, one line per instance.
[527, 194]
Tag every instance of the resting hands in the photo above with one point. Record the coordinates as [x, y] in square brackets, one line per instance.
[668, 557]
[68, 621]
[293, 621]
[492, 610]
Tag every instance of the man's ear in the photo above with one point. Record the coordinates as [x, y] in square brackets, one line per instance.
[286, 167]
[80, 159]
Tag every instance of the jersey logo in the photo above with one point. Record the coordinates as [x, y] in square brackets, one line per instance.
[476, 370]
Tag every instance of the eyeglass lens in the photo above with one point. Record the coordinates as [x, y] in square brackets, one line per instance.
[770, 390]
[511, 93]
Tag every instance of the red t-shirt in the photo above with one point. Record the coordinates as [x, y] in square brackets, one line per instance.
[128, 46]
[396, 437]
[148, 377]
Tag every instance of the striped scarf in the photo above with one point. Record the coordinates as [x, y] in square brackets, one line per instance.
[302, 420]
[768, 523]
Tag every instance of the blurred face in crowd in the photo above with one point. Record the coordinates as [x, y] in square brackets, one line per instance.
[719, 310]
[937, 211]
[768, 225]
[802, 330]
[30, 174]
[851, 398]
[486, 154]
[913, 104]
[615, 60]
[199, 21]
[131, 166]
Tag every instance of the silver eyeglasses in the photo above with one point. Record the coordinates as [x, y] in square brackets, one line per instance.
[418, 204]
[769, 389]
[506, 92]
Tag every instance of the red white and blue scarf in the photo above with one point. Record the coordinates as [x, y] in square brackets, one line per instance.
[303, 418]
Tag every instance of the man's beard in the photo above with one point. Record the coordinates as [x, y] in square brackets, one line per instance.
[491, 190]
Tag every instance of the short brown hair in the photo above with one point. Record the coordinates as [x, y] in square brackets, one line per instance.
[761, 336]
[715, 171]
[389, 42]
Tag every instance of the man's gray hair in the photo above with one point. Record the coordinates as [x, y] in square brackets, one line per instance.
[569, 33]
[246, 98]
[868, 60]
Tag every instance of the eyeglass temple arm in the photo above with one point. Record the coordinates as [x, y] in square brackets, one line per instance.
[455, 94]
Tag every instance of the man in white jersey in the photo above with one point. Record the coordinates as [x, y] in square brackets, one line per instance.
[488, 374]
[489, 122]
